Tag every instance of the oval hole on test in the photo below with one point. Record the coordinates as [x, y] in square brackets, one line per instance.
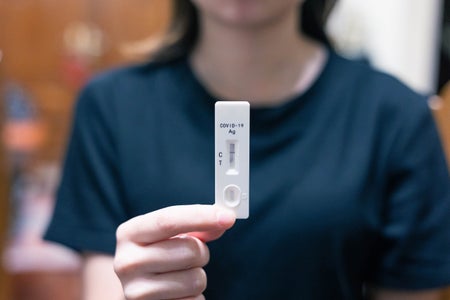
[232, 195]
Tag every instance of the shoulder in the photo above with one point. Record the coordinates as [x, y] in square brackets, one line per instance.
[373, 84]
[380, 108]
[118, 87]
[374, 92]
[117, 79]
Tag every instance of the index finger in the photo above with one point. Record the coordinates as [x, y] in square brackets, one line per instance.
[174, 220]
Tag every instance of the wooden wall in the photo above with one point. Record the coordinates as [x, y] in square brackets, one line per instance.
[32, 41]
[36, 56]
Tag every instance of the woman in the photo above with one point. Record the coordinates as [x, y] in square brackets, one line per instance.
[349, 187]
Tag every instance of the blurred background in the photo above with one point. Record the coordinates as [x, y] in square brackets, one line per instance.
[50, 48]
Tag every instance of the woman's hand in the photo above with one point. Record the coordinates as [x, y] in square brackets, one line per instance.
[161, 255]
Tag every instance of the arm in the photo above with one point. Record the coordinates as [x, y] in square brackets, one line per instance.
[387, 294]
[99, 280]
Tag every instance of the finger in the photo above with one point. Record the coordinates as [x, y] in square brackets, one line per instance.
[170, 221]
[207, 236]
[199, 297]
[175, 285]
[178, 253]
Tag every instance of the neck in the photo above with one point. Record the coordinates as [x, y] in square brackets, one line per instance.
[264, 65]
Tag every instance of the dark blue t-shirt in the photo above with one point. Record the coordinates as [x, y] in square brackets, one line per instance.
[348, 183]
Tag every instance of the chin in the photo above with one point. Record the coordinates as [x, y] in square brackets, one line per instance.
[246, 13]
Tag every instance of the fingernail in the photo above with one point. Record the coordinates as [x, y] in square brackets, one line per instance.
[226, 217]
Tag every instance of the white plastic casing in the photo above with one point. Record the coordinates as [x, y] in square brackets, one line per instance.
[232, 139]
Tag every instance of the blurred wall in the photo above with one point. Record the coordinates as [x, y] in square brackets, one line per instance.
[33, 38]
[400, 37]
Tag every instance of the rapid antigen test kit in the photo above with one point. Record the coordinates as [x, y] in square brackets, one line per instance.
[232, 156]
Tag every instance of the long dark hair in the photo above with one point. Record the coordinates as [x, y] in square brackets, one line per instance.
[184, 27]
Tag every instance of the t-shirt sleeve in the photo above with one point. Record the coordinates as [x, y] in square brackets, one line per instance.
[416, 229]
[89, 204]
